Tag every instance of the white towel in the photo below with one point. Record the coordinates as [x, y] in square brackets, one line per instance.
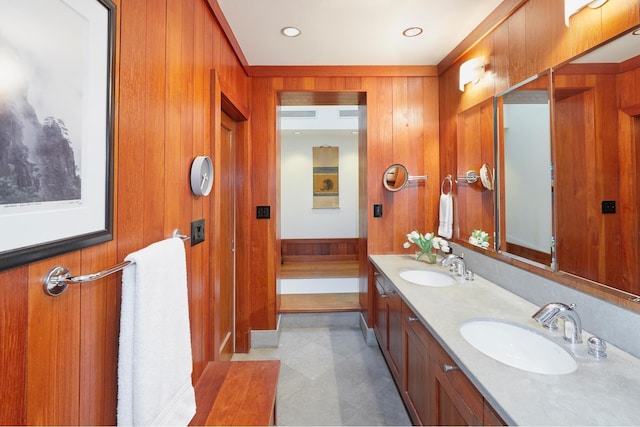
[445, 229]
[155, 364]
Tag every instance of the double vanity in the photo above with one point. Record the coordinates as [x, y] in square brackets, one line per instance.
[470, 351]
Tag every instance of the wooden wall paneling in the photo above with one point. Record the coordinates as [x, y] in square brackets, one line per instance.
[607, 178]
[619, 16]
[585, 31]
[405, 200]
[13, 348]
[176, 116]
[140, 81]
[500, 58]
[572, 183]
[152, 128]
[416, 144]
[448, 105]
[469, 152]
[100, 320]
[431, 150]
[198, 280]
[263, 189]
[380, 156]
[53, 348]
[517, 53]
[547, 36]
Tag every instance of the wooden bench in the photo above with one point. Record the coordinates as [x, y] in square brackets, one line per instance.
[241, 393]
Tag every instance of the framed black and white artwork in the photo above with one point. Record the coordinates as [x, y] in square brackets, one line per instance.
[56, 127]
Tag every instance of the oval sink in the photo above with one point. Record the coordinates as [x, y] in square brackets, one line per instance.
[428, 278]
[518, 347]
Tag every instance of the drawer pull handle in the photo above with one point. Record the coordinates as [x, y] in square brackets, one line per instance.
[447, 368]
[412, 319]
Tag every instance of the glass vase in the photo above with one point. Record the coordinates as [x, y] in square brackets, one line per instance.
[427, 257]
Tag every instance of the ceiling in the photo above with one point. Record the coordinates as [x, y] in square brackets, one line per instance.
[351, 32]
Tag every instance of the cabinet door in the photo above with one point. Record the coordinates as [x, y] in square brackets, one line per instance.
[380, 318]
[417, 388]
[394, 303]
[457, 401]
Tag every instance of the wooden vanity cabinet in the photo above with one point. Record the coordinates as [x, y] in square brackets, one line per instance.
[457, 401]
[388, 324]
[417, 392]
[435, 391]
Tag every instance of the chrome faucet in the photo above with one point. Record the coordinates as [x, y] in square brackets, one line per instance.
[458, 266]
[550, 313]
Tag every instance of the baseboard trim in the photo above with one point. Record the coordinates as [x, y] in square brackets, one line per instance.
[367, 332]
[266, 338]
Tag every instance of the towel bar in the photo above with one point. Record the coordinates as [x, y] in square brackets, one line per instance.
[59, 277]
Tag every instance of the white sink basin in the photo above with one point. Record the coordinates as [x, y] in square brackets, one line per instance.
[518, 347]
[428, 278]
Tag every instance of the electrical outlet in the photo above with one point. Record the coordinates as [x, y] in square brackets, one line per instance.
[263, 212]
[197, 231]
[608, 206]
[377, 211]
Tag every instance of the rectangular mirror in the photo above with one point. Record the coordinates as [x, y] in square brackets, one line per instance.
[597, 130]
[523, 146]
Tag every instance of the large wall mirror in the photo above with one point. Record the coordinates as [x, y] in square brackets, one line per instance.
[569, 187]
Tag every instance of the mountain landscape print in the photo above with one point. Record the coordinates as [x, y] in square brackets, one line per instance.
[40, 104]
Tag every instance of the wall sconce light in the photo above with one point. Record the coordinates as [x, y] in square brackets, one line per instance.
[471, 71]
[573, 6]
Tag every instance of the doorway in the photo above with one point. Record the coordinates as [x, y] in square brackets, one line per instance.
[321, 259]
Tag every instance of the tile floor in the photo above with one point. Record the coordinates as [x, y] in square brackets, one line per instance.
[328, 374]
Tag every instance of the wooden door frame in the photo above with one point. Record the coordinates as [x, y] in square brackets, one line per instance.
[336, 98]
[221, 102]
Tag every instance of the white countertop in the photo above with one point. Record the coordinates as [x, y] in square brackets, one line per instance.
[599, 392]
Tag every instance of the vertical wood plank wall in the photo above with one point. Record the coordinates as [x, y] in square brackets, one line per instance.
[58, 357]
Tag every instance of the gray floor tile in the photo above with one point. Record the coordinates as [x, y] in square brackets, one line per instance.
[329, 376]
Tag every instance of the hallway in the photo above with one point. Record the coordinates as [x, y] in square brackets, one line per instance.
[329, 376]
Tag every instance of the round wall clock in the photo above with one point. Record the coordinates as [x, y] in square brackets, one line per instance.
[201, 176]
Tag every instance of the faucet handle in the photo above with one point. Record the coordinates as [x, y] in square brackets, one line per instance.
[597, 347]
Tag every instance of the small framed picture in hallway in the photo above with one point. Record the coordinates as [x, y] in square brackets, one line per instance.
[56, 127]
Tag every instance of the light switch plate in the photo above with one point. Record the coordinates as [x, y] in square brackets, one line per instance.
[197, 231]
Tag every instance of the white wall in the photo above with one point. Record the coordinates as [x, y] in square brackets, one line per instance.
[298, 219]
[528, 176]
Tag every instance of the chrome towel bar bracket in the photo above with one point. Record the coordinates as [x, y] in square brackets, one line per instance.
[59, 277]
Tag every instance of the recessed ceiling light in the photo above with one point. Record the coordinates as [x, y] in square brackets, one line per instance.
[412, 32]
[290, 31]
[636, 32]
[297, 132]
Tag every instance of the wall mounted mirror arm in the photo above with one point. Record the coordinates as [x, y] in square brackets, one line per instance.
[396, 177]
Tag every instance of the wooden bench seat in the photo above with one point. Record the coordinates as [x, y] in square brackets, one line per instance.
[241, 393]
